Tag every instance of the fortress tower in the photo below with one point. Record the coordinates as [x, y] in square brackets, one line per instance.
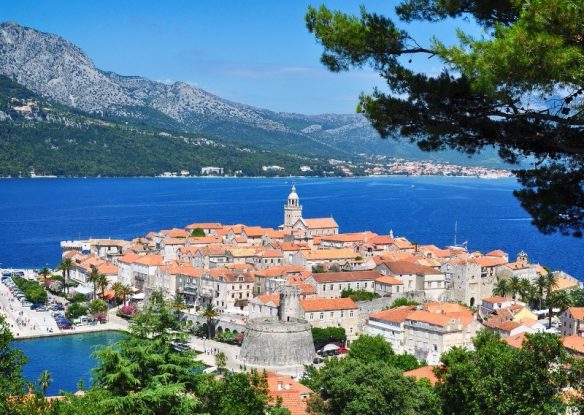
[293, 209]
[282, 342]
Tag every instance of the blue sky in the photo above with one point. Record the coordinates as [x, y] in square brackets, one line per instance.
[254, 52]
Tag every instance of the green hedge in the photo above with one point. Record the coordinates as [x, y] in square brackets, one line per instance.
[32, 290]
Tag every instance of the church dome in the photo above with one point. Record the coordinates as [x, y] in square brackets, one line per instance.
[293, 195]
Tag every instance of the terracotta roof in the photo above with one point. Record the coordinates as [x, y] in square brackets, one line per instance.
[380, 240]
[325, 277]
[402, 243]
[430, 318]
[175, 233]
[204, 225]
[150, 260]
[306, 289]
[280, 270]
[577, 312]
[194, 240]
[394, 315]
[453, 310]
[107, 269]
[487, 261]
[129, 258]
[320, 223]
[327, 304]
[574, 343]
[256, 231]
[347, 237]
[266, 298]
[497, 299]
[566, 283]
[174, 241]
[406, 267]
[424, 372]
[324, 254]
[292, 393]
[497, 252]
[515, 341]
[389, 281]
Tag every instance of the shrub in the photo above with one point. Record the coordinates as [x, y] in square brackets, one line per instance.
[322, 337]
[403, 301]
[358, 295]
[32, 290]
[75, 310]
[78, 298]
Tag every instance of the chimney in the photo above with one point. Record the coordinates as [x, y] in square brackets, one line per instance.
[279, 386]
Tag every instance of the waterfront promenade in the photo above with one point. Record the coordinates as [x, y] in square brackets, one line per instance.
[25, 323]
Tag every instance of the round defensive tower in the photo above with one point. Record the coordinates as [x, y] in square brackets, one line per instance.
[282, 342]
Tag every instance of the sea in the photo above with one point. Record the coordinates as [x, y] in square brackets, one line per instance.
[36, 214]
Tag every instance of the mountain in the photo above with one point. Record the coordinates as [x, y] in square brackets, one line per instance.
[56, 69]
[40, 135]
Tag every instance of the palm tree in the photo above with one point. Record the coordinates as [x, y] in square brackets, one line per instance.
[45, 272]
[551, 282]
[541, 284]
[502, 287]
[557, 299]
[93, 278]
[514, 286]
[65, 266]
[527, 291]
[178, 303]
[210, 313]
[45, 379]
[118, 289]
[102, 283]
[126, 292]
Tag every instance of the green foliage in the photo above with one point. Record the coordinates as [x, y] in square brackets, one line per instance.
[371, 349]
[78, 298]
[32, 290]
[97, 306]
[518, 87]
[75, 310]
[11, 362]
[45, 379]
[358, 295]
[402, 301]
[111, 147]
[353, 386]
[198, 232]
[226, 337]
[324, 336]
[498, 379]
[577, 297]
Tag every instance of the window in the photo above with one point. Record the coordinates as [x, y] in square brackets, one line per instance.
[321, 316]
[332, 287]
[365, 285]
[324, 287]
[342, 314]
[332, 314]
[351, 313]
[311, 316]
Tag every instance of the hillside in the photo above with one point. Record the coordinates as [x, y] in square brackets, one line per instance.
[53, 139]
[57, 69]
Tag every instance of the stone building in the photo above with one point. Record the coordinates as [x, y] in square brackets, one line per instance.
[281, 341]
[572, 321]
[331, 284]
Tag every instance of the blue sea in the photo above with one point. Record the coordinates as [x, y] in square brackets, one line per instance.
[36, 214]
[68, 358]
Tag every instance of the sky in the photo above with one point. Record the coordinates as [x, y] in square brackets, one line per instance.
[254, 52]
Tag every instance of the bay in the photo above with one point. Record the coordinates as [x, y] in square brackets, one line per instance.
[36, 214]
[68, 358]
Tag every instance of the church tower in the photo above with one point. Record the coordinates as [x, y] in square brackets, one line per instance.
[293, 209]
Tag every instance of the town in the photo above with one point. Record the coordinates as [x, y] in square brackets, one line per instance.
[258, 295]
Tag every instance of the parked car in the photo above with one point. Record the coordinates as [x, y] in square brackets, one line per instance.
[26, 304]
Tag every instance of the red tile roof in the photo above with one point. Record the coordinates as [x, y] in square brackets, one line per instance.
[327, 304]
[424, 372]
[394, 315]
[326, 277]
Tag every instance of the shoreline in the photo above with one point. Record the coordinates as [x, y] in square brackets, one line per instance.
[67, 333]
[511, 176]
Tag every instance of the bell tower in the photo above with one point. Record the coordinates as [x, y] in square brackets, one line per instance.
[293, 209]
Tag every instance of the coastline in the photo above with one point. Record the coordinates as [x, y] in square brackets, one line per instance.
[259, 177]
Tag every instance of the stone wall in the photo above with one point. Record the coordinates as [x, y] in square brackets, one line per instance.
[272, 343]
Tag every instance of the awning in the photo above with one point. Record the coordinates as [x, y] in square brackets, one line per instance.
[139, 296]
[109, 294]
[330, 347]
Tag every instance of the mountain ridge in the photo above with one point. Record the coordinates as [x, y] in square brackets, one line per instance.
[55, 68]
